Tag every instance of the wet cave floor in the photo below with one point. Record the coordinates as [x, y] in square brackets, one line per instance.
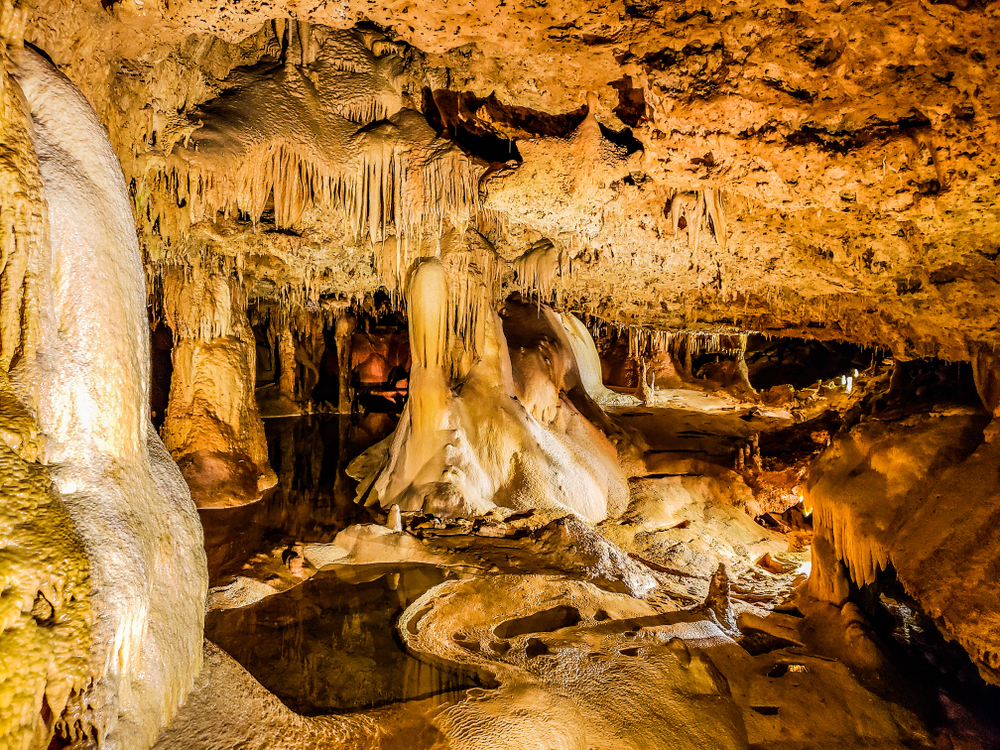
[323, 632]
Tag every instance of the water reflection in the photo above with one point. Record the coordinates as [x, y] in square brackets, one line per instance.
[331, 645]
[314, 498]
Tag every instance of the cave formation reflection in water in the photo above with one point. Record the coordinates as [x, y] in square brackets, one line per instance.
[330, 645]
[313, 499]
[611, 511]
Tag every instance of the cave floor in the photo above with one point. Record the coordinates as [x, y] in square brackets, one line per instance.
[327, 629]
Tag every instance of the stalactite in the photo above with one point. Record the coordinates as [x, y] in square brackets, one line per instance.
[197, 302]
[537, 269]
[697, 209]
[475, 273]
[643, 342]
[380, 185]
[860, 552]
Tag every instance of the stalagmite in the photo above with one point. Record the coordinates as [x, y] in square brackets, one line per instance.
[40, 667]
[452, 451]
[88, 382]
[395, 520]
[213, 427]
[344, 329]
[430, 395]
[589, 362]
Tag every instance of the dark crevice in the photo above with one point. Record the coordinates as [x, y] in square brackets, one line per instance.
[842, 141]
[952, 689]
[631, 107]
[623, 138]
[488, 129]
[778, 84]
[535, 648]
[489, 115]
[448, 113]
[541, 622]
[971, 5]
[641, 8]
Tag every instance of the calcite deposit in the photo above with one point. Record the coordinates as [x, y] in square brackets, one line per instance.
[213, 427]
[550, 374]
[122, 602]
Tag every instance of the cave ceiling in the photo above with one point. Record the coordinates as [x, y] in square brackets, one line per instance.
[820, 169]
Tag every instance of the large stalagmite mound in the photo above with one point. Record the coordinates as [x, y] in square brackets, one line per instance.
[213, 427]
[486, 425]
[82, 366]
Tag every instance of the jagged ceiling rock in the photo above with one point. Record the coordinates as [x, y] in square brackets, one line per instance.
[325, 125]
[847, 147]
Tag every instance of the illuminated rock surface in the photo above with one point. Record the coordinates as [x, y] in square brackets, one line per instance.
[501, 351]
[83, 368]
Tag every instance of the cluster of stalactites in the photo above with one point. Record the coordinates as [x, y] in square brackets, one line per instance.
[644, 341]
[277, 314]
[538, 268]
[696, 209]
[393, 259]
[474, 275]
[197, 302]
[386, 193]
[475, 284]
[860, 552]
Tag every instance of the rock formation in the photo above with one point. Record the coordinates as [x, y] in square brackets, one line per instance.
[213, 428]
[498, 431]
[493, 288]
[919, 496]
[82, 367]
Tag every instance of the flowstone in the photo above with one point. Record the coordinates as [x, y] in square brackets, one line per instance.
[485, 426]
[45, 616]
[921, 494]
[84, 371]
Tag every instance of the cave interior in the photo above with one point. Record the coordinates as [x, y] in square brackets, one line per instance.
[499, 375]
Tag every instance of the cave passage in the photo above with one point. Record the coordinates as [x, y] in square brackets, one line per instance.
[509, 376]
